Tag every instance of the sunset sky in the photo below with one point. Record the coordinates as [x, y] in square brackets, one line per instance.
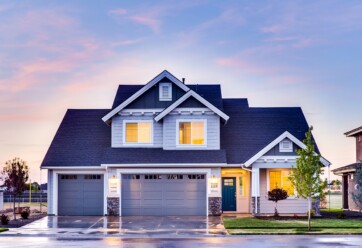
[56, 55]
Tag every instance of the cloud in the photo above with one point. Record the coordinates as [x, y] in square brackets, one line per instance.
[118, 12]
[150, 22]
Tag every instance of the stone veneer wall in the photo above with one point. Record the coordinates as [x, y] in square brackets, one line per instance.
[113, 206]
[215, 206]
[253, 205]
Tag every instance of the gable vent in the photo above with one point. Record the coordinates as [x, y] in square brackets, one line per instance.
[286, 146]
[165, 92]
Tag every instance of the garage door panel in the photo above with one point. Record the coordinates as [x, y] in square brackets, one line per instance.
[80, 195]
[164, 195]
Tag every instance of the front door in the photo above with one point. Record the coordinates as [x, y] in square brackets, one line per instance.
[228, 194]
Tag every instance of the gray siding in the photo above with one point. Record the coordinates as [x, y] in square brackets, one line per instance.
[275, 151]
[50, 192]
[213, 131]
[117, 130]
[288, 206]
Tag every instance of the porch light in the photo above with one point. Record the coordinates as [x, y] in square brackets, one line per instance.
[214, 179]
[113, 186]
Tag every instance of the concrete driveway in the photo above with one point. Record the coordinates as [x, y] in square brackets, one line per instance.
[171, 226]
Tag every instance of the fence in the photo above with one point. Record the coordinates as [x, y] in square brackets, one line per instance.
[35, 198]
[332, 200]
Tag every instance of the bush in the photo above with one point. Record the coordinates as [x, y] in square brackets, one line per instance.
[4, 219]
[341, 216]
[25, 214]
[277, 195]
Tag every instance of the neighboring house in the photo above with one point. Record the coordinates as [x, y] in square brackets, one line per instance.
[170, 148]
[347, 172]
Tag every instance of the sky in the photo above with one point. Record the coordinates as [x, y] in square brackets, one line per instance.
[56, 55]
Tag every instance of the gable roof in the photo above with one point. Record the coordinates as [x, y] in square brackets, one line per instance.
[354, 132]
[189, 94]
[249, 129]
[164, 74]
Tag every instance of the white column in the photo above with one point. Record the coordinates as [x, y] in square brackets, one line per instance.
[255, 186]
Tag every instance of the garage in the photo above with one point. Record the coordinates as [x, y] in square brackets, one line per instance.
[163, 194]
[80, 194]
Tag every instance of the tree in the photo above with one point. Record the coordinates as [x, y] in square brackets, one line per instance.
[276, 195]
[357, 197]
[15, 174]
[306, 175]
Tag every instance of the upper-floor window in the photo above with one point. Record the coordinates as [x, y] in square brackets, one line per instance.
[191, 132]
[165, 92]
[286, 146]
[137, 132]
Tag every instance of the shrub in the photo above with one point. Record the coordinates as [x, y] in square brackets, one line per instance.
[4, 219]
[341, 216]
[25, 214]
[277, 195]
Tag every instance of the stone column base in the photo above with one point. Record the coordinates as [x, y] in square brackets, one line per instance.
[253, 205]
[215, 206]
[113, 206]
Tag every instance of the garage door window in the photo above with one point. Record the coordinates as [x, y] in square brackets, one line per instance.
[153, 177]
[92, 177]
[175, 177]
[131, 177]
[69, 177]
[196, 177]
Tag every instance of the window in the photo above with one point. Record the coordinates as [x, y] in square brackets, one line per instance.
[286, 146]
[153, 177]
[92, 177]
[165, 92]
[196, 177]
[279, 179]
[175, 177]
[131, 177]
[228, 182]
[191, 132]
[69, 177]
[138, 132]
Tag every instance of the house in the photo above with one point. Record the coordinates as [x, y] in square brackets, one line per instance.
[170, 148]
[347, 172]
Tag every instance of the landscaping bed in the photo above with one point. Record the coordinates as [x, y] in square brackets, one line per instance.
[291, 225]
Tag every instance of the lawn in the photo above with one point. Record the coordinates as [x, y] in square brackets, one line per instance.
[3, 230]
[291, 226]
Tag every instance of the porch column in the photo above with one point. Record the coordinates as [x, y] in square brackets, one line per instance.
[255, 190]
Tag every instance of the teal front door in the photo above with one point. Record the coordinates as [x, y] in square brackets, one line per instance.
[228, 194]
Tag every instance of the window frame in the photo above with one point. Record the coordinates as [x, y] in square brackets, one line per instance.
[190, 145]
[289, 149]
[281, 173]
[169, 98]
[136, 143]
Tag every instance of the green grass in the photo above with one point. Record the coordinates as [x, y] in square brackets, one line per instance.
[332, 210]
[24, 204]
[3, 230]
[319, 226]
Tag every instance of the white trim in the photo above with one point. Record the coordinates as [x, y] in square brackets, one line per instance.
[276, 159]
[184, 98]
[169, 97]
[140, 112]
[55, 186]
[207, 172]
[289, 147]
[288, 135]
[178, 145]
[175, 165]
[143, 90]
[135, 144]
[353, 132]
[74, 167]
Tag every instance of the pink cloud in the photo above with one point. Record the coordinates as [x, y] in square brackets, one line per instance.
[125, 42]
[152, 23]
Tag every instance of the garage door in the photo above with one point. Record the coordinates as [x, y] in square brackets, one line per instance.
[160, 194]
[80, 195]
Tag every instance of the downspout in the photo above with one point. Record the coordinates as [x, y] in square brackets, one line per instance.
[255, 197]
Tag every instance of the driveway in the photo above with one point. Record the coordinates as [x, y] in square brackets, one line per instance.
[171, 226]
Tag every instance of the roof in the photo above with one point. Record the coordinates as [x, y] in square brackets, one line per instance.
[249, 130]
[345, 169]
[211, 92]
[354, 132]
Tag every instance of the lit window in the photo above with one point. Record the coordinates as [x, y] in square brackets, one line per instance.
[192, 133]
[165, 92]
[138, 132]
[279, 179]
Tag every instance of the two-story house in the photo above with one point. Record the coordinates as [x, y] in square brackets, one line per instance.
[347, 172]
[170, 148]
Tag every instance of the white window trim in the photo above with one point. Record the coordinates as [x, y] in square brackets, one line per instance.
[289, 149]
[293, 197]
[136, 144]
[178, 133]
[169, 98]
